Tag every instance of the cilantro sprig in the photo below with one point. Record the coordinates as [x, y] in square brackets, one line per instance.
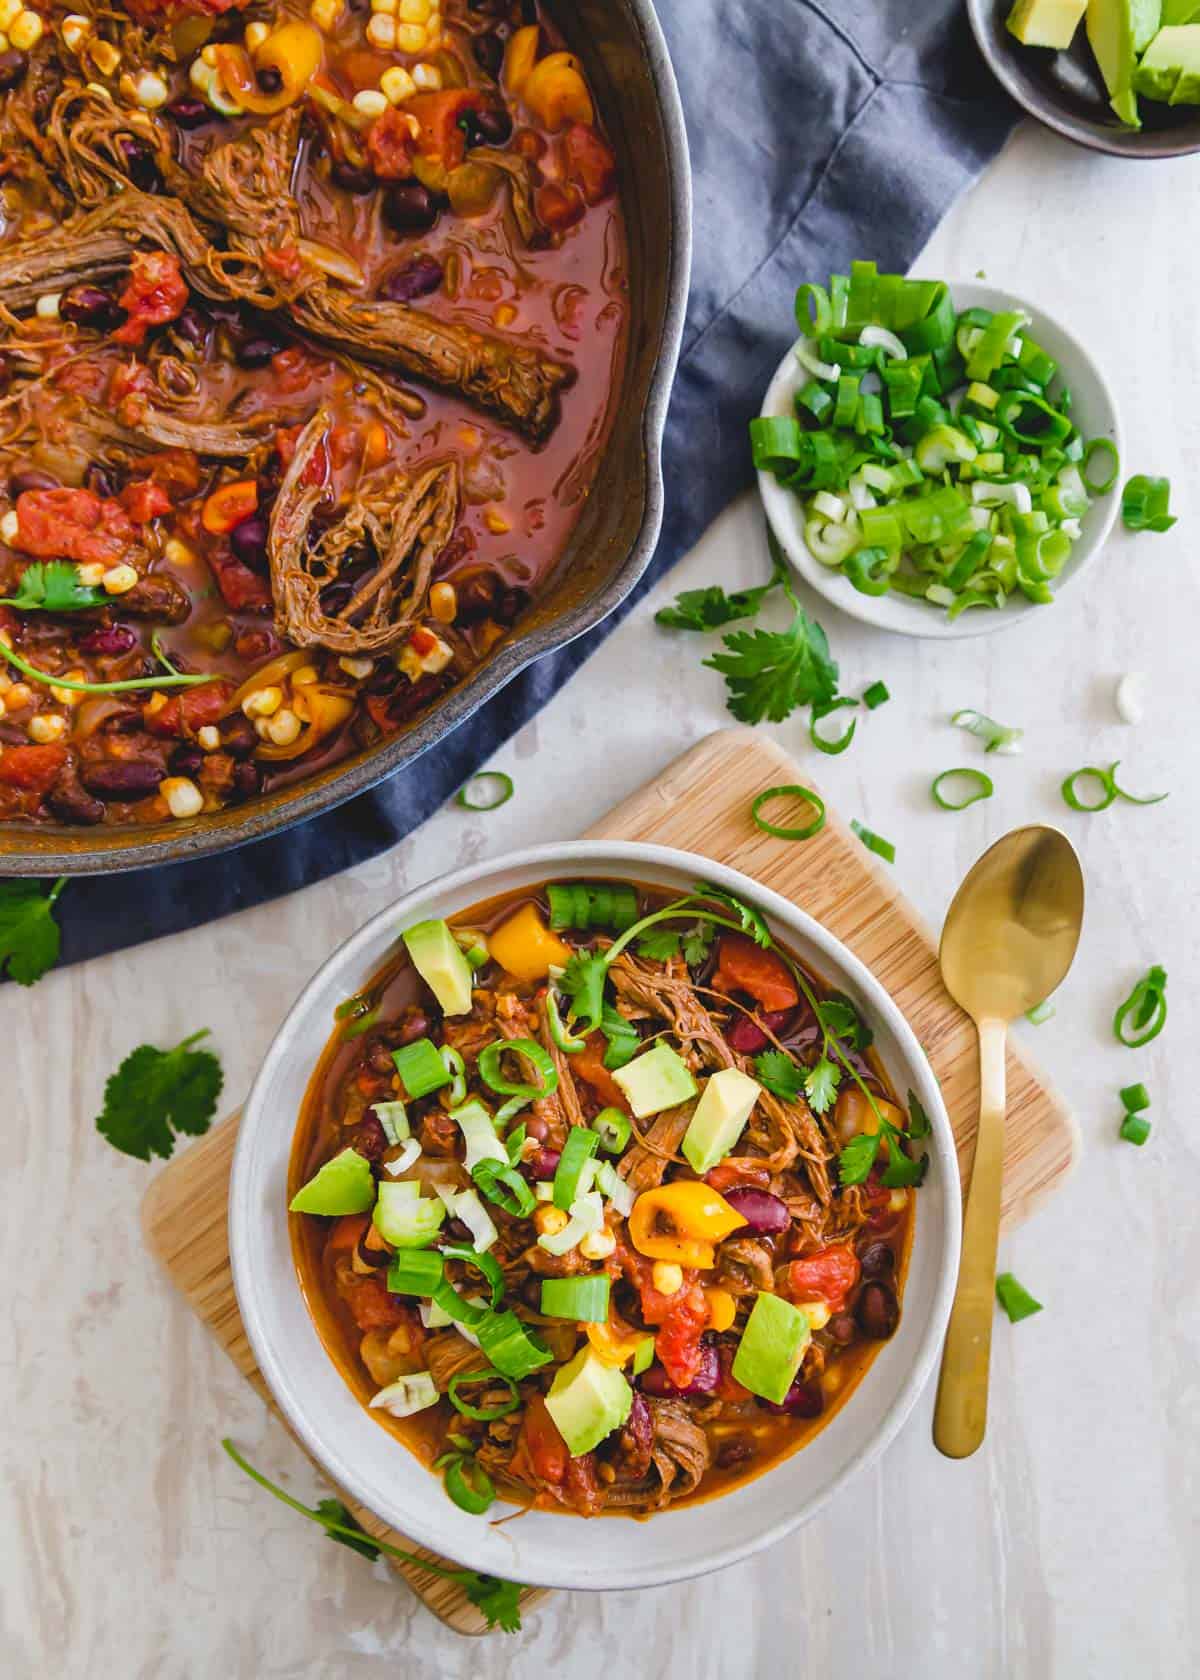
[769, 673]
[53, 586]
[861, 1153]
[29, 935]
[499, 1600]
[155, 1094]
[711, 608]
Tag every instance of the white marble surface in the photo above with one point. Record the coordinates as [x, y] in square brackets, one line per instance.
[1068, 1546]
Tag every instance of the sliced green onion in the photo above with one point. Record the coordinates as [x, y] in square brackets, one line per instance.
[415, 1271]
[977, 786]
[1143, 1015]
[871, 569]
[469, 1485]
[1135, 1098]
[515, 1143]
[996, 737]
[492, 1073]
[574, 1162]
[485, 1263]
[421, 1068]
[515, 1351]
[875, 696]
[457, 1069]
[1145, 502]
[1135, 1128]
[486, 791]
[874, 842]
[504, 1186]
[558, 1033]
[356, 1005]
[362, 1024]
[1017, 1302]
[483, 1414]
[393, 1117]
[814, 314]
[643, 1356]
[1040, 1013]
[585, 1299]
[613, 1127]
[789, 791]
[610, 1183]
[585, 904]
[1100, 446]
[1109, 790]
[822, 709]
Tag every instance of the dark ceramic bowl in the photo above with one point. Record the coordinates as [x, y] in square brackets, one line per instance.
[625, 55]
[1065, 90]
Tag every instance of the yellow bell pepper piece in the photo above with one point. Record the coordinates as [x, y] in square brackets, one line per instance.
[614, 1345]
[556, 92]
[722, 1308]
[682, 1222]
[525, 946]
[520, 56]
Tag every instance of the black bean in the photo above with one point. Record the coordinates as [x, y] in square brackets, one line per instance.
[71, 803]
[489, 54]
[139, 163]
[490, 127]
[409, 208]
[842, 1328]
[877, 1310]
[246, 780]
[237, 736]
[352, 179]
[187, 761]
[248, 540]
[187, 112]
[256, 350]
[88, 306]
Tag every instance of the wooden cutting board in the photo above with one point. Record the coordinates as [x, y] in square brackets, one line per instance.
[701, 803]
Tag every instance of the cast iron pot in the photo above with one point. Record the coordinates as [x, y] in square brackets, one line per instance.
[625, 56]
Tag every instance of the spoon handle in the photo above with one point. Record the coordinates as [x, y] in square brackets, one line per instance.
[960, 1416]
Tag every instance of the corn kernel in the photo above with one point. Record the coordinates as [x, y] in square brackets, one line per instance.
[151, 91]
[495, 521]
[818, 1314]
[284, 727]
[598, 1245]
[666, 1277]
[119, 580]
[104, 56]
[831, 1379]
[504, 314]
[897, 1201]
[306, 675]
[47, 727]
[357, 668]
[75, 31]
[443, 602]
[18, 696]
[381, 31]
[10, 11]
[427, 76]
[397, 85]
[326, 14]
[208, 55]
[91, 574]
[370, 102]
[9, 526]
[263, 702]
[69, 696]
[155, 703]
[722, 1308]
[26, 31]
[415, 11]
[256, 34]
[46, 307]
[209, 737]
[388, 7]
[549, 1220]
[175, 553]
[3, 707]
[183, 797]
[412, 38]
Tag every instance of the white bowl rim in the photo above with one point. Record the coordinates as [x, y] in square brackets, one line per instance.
[592, 1574]
[896, 612]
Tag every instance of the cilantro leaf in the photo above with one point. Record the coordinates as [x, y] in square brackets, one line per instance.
[333, 1511]
[709, 609]
[29, 936]
[918, 1120]
[582, 981]
[858, 1157]
[769, 673]
[697, 943]
[499, 1600]
[624, 1040]
[838, 1018]
[749, 920]
[780, 1075]
[658, 943]
[902, 1169]
[156, 1093]
[820, 1085]
[53, 586]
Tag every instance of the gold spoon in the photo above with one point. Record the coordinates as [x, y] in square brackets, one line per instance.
[1009, 939]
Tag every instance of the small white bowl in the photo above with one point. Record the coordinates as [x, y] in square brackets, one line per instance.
[1094, 410]
[545, 1548]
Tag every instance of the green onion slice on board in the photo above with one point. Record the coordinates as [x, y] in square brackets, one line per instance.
[789, 791]
[954, 790]
[486, 791]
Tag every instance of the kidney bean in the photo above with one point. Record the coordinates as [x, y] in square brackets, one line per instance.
[408, 207]
[71, 803]
[258, 644]
[193, 325]
[352, 179]
[187, 112]
[256, 350]
[13, 68]
[655, 1381]
[476, 593]
[765, 1214]
[369, 1137]
[747, 1038]
[89, 306]
[803, 1399]
[248, 540]
[187, 761]
[510, 604]
[734, 1452]
[31, 478]
[877, 1310]
[877, 1260]
[101, 481]
[237, 736]
[122, 778]
[414, 1026]
[544, 1164]
[537, 1126]
[246, 780]
[416, 279]
[139, 163]
[109, 640]
[842, 1328]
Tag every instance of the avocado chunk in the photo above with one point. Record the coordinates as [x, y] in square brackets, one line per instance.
[1145, 17]
[654, 1081]
[720, 1115]
[1046, 23]
[771, 1347]
[1170, 71]
[405, 1218]
[442, 964]
[1110, 34]
[588, 1400]
[345, 1184]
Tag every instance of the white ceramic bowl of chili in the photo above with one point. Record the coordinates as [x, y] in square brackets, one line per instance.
[546, 1548]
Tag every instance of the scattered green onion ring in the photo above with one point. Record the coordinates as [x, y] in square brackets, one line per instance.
[1108, 786]
[501, 791]
[614, 1128]
[505, 1187]
[789, 791]
[1135, 1128]
[814, 313]
[840, 742]
[876, 695]
[492, 1073]
[1135, 1098]
[1040, 1012]
[469, 1485]
[874, 842]
[983, 786]
[483, 1414]
[996, 737]
[485, 1263]
[1097, 486]
[1147, 1005]
[1145, 504]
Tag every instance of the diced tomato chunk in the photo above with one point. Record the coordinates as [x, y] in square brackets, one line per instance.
[190, 709]
[156, 292]
[390, 146]
[32, 769]
[241, 589]
[559, 208]
[828, 1275]
[589, 162]
[589, 1064]
[678, 1341]
[143, 500]
[440, 134]
[72, 525]
[743, 966]
[541, 1454]
[371, 1307]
